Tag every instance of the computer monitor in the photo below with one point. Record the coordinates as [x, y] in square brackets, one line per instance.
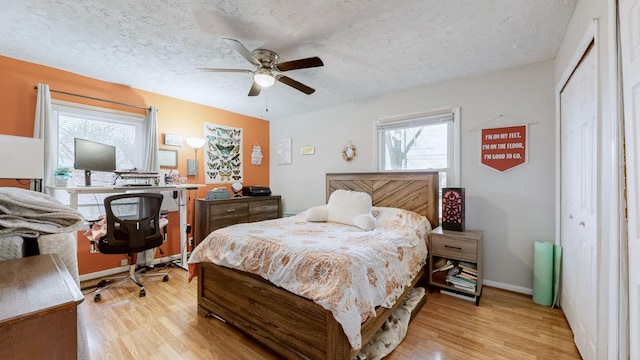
[93, 156]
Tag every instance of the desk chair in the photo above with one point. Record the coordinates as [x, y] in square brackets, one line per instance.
[133, 225]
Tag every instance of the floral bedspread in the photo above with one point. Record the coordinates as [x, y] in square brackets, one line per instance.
[344, 269]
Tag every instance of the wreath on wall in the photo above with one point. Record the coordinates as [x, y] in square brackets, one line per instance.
[348, 152]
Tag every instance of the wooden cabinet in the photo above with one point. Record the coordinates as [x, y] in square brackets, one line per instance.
[458, 248]
[38, 316]
[219, 213]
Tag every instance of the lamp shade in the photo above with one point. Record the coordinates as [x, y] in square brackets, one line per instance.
[22, 157]
[195, 143]
[264, 78]
[453, 209]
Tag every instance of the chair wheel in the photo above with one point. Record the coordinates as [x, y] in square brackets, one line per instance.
[102, 283]
[97, 298]
[165, 278]
[142, 293]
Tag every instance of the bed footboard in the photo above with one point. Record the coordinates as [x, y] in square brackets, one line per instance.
[292, 326]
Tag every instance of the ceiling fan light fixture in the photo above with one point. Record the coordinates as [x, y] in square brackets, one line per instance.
[264, 78]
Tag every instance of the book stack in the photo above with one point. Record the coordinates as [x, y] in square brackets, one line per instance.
[463, 276]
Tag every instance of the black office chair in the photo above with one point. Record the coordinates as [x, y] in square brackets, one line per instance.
[133, 225]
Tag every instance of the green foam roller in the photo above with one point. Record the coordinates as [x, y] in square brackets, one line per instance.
[543, 273]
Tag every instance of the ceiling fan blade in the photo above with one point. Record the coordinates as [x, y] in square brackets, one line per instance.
[255, 89]
[237, 46]
[295, 84]
[300, 64]
[226, 70]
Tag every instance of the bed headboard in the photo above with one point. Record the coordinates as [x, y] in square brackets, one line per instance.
[415, 191]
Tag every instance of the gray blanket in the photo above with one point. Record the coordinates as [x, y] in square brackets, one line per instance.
[28, 213]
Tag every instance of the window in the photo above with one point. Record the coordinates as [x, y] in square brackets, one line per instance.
[123, 130]
[427, 141]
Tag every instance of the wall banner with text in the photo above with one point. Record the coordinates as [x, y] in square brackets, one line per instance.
[504, 148]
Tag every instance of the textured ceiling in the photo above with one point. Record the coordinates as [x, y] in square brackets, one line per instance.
[369, 47]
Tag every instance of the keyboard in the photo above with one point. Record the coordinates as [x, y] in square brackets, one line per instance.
[135, 172]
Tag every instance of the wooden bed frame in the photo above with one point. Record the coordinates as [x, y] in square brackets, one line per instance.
[295, 327]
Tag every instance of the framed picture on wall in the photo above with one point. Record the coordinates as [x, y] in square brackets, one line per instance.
[168, 158]
[172, 140]
[283, 151]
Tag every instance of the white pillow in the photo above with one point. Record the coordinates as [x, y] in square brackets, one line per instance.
[365, 221]
[345, 207]
[351, 208]
[317, 213]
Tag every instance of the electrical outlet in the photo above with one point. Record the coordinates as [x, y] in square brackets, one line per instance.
[191, 241]
[124, 262]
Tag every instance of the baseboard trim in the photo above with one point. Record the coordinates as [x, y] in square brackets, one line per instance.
[121, 269]
[503, 286]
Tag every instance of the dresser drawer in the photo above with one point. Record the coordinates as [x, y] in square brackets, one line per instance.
[220, 223]
[460, 249]
[263, 216]
[268, 206]
[228, 211]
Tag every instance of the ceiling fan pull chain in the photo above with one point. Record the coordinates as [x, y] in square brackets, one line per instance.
[266, 101]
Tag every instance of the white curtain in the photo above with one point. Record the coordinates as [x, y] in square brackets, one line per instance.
[42, 129]
[150, 160]
[150, 163]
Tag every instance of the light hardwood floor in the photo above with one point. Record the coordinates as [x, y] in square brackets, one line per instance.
[165, 325]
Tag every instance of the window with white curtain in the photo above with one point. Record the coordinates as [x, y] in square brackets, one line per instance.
[123, 130]
[426, 141]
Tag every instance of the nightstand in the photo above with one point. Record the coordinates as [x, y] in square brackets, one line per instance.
[461, 249]
[38, 316]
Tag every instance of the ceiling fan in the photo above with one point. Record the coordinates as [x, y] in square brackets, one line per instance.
[266, 62]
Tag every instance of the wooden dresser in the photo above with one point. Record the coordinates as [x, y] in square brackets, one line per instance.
[38, 315]
[216, 214]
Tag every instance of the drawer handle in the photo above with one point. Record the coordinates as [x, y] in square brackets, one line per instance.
[453, 247]
[231, 210]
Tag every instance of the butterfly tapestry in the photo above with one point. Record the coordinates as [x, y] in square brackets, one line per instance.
[223, 155]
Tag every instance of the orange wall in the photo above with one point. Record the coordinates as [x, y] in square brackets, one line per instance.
[179, 117]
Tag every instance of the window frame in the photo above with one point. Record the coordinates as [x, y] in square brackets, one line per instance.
[411, 120]
[94, 113]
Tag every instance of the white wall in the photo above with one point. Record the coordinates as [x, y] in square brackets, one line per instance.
[514, 208]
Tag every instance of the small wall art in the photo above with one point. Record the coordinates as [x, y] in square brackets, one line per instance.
[349, 151]
[168, 158]
[307, 150]
[173, 140]
[283, 151]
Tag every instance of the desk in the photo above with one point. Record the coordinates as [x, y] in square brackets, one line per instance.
[38, 316]
[75, 191]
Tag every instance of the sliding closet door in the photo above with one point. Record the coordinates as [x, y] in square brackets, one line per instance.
[630, 56]
[578, 213]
